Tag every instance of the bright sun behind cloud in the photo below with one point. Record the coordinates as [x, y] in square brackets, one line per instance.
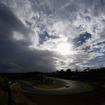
[64, 48]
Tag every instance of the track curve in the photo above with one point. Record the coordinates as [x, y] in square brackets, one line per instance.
[74, 86]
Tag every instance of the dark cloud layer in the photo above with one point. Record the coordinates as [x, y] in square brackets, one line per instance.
[9, 22]
[48, 35]
[15, 56]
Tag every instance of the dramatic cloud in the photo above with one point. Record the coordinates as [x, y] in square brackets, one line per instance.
[48, 35]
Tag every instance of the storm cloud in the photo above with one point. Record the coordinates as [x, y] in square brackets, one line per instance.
[50, 35]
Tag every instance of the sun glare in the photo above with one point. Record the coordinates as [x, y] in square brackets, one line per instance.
[64, 48]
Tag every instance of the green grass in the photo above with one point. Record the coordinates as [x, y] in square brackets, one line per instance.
[18, 97]
[3, 97]
[51, 86]
[3, 93]
[27, 82]
[46, 86]
[1, 79]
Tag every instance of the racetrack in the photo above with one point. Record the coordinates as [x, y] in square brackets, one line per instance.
[74, 86]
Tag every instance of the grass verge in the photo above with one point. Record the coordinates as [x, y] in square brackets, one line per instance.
[47, 86]
[3, 97]
[3, 92]
[51, 86]
[18, 97]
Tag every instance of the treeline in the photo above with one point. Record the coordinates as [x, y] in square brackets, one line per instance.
[85, 75]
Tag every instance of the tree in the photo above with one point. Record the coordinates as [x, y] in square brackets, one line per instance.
[68, 71]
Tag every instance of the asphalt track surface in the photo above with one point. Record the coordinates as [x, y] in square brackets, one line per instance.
[74, 86]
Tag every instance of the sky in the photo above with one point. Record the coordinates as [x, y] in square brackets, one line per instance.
[50, 35]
